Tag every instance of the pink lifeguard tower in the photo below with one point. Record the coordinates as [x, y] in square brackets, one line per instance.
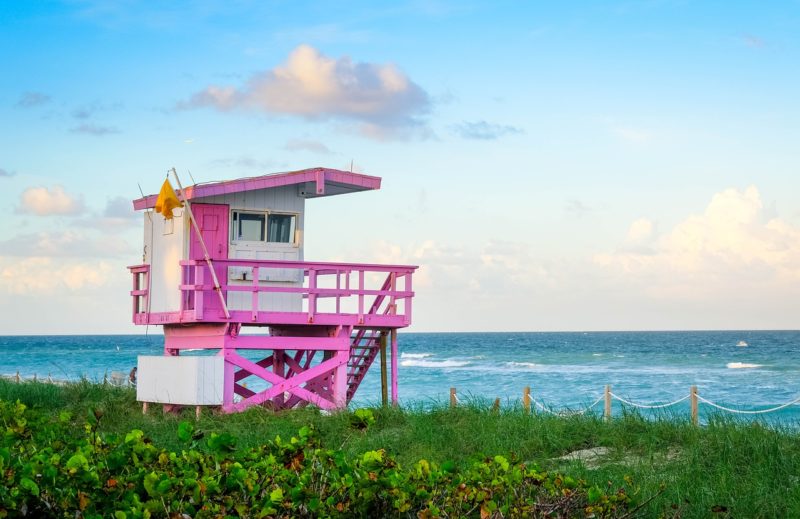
[321, 324]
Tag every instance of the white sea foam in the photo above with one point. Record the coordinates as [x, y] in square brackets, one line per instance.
[742, 365]
[422, 363]
[405, 355]
[527, 365]
[597, 354]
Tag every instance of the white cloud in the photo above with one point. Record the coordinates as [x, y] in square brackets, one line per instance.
[640, 231]
[42, 201]
[733, 246]
[46, 276]
[117, 216]
[314, 86]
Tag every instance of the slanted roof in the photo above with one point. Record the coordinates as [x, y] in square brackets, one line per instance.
[312, 183]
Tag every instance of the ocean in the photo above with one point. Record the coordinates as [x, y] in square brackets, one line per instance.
[746, 370]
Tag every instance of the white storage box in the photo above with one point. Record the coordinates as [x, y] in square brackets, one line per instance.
[180, 380]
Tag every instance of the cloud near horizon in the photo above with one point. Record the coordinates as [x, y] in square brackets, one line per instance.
[732, 246]
[42, 201]
[315, 87]
[25, 276]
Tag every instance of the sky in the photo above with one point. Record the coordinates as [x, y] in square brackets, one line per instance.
[628, 165]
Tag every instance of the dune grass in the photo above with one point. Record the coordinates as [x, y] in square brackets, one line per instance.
[723, 469]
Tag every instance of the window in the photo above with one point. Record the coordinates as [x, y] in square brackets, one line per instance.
[248, 226]
[261, 227]
[280, 228]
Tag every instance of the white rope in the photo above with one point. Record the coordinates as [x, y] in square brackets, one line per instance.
[566, 412]
[645, 406]
[737, 411]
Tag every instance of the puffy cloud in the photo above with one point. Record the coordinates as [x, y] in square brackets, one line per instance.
[6, 173]
[734, 245]
[32, 99]
[42, 201]
[38, 275]
[482, 130]
[307, 145]
[640, 230]
[314, 86]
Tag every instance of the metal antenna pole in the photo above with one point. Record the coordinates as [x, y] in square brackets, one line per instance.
[217, 287]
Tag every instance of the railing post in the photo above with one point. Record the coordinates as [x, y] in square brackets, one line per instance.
[338, 288]
[393, 288]
[199, 280]
[453, 398]
[496, 405]
[254, 299]
[607, 408]
[693, 399]
[408, 300]
[361, 297]
[312, 294]
[526, 399]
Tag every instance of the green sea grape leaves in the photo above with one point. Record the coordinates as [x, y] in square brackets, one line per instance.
[49, 470]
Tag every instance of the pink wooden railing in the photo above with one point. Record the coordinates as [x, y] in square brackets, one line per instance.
[376, 291]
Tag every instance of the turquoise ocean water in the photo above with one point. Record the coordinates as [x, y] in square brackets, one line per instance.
[740, 369]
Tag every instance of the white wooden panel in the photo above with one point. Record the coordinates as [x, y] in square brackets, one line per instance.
[180, 380]
[164, 247]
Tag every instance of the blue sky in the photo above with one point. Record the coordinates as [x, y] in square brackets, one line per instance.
[561, 166]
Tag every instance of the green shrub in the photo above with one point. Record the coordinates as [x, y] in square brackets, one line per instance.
[47, 471]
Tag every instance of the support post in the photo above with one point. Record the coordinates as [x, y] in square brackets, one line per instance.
[453, 398]
[197, 412]
[394, 366]
[17, 376]
[526, 399]
[607, 407]
[144, 407]
[340, 380]
[496, 405]
[384, 381]
[279, 369]
[693, 400]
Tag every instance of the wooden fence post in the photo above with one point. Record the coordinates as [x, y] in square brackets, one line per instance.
[693, 399]
[496, 406]
[453, 399]
[17, 376]
[607, 407]
[526, 399]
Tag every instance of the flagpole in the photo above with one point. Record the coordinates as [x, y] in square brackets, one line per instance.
[217, 287]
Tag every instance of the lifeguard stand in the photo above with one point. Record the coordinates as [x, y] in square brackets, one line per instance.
[326, 322]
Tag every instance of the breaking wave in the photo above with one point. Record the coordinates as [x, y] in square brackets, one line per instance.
[405, 355]
[742, 365]
[422, 363]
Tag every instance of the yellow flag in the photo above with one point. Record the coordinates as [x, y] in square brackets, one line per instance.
[167, 200]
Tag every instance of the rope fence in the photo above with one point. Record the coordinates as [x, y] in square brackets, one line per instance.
[694, 398]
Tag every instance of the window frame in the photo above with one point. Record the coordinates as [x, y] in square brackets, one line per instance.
[294, 243]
